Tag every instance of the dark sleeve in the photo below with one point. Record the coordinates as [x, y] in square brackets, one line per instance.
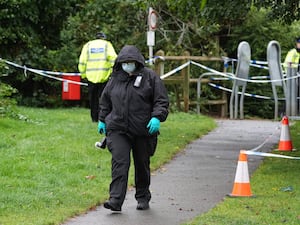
[105, 105]
[160, 99]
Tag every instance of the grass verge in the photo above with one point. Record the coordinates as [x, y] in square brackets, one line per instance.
[50, 169]
[276, 185]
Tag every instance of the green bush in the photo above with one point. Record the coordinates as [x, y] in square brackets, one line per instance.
[6, 102]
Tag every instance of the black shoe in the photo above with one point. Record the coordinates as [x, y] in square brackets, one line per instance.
[112, 207]
[142, 205]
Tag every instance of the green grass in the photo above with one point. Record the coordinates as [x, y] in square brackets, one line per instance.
[272, 205]
[51, 171]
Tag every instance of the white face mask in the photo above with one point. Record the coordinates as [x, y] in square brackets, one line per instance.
[129, 67]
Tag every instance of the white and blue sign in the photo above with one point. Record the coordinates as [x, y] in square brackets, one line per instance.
[97, 50]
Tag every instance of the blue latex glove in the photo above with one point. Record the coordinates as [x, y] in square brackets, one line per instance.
[101, 128]
[153, 125]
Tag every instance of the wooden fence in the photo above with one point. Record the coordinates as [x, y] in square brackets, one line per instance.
[185, 80]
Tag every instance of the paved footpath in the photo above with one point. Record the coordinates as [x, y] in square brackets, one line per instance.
[196, 180]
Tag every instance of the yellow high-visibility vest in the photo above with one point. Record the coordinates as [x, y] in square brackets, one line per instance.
[292, 59]
[96, 60]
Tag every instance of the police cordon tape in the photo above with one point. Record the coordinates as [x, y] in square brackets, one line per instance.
[256, 79]
[265, 154]
[265, 141]
[46, 73]
[57, 73]
[255, 150]
[259, 66]
[176, 70]
[57, 78]
[251, 61]
[246, 94]
[241, 79]
[254, 62]
[36, 70]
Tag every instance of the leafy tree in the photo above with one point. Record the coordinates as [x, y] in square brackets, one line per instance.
[285, 11]
[31, 29]
[258, 30]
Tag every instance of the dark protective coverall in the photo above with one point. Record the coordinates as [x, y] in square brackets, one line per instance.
[126, 109]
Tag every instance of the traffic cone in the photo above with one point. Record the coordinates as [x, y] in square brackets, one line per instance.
[285, 143]
[241, 187]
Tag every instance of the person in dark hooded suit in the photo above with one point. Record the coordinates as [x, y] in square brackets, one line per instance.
[132, 106]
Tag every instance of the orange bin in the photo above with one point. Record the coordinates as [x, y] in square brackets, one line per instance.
[70, 91]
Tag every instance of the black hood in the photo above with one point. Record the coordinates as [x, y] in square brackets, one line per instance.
[129, 53]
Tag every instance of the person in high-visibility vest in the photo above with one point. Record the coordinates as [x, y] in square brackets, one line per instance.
[95, 64]
[292, 58]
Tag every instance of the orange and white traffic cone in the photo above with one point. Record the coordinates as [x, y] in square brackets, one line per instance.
[241, 187]
[285, 143]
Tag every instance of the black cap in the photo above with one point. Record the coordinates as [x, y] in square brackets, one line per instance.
[298, 39]
[100, 35]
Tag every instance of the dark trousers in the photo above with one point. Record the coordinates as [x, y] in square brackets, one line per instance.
[120, 146]
[95, 90]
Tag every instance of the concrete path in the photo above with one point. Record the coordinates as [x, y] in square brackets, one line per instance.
[196, 180]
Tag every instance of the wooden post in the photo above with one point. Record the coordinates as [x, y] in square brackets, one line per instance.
[186, 83]
[224, 107]
[177, 96]
[159, 64]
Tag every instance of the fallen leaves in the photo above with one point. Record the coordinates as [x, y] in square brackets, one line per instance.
[90, 177]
